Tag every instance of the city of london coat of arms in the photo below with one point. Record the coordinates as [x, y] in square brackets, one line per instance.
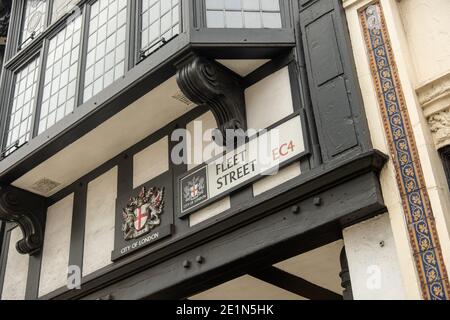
[142, 213]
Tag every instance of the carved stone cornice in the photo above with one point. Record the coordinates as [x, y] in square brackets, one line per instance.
[440, 127]
[434, 98]
[26, 210]
[206, 82]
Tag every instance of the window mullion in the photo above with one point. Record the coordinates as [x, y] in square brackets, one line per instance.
[50, 4]
[130, 34]
[40, 86]
[7, 112]
[83, 53]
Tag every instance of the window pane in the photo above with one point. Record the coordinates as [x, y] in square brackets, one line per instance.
[34, 19]
[243, 14]
[159, 19]
[105, 60]
[61, 7]
[58, 98]
[21, 115]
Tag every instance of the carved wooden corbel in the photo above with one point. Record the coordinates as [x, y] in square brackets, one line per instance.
[206, 82]
[26, 210]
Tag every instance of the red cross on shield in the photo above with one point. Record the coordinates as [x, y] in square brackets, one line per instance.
[194, 191]
[141, 217]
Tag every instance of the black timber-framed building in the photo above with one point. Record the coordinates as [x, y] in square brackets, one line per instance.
[90, 97]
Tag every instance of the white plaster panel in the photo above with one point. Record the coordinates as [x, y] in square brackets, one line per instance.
[100, 222]
[16, 273]
[200, 146]
[320, 266]
[243, 67]
[151, 162]
[281, 177]
[373, 262]
[246, 288]
[210, 211]
[55, 255]
[269, 100]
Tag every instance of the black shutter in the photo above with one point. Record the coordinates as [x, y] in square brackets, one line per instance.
[335, 94]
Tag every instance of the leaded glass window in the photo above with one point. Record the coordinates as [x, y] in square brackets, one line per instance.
[243, 14]
[160, 19]
[21, 116]
[105, 61]
[61, 7]
[58, 97]
[34, 20]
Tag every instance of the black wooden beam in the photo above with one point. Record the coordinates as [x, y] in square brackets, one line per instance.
[270, 239]
[294, 284]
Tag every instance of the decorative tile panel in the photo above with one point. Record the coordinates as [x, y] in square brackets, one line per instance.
[422, 230]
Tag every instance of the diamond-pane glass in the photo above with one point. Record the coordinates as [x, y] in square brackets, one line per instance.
[61, 7]
[243, 14]
[34, 19]
[105, 61]
[21, 116]
[159, 19]
[58, 97]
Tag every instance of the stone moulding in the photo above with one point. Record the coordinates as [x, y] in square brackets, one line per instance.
[440, 127]
[434, 98]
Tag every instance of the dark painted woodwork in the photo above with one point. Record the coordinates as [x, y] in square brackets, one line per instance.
[27, 210]
[261, 230]
[78, 226]
[337, 102]
[140, 78]
[34, 276]
[206, 82]
[349, 190]
[294, 284]
[227, 257]
[346, 282]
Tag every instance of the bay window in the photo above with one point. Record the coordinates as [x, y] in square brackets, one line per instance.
[84, 50]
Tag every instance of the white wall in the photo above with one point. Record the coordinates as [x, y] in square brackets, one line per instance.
[151, 162]
[16, 273]
[100, 222]
[267, 102]
[373, 262]
[197, 157]
[55, 256]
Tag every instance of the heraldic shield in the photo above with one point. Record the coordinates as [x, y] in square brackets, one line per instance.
[142, 213]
